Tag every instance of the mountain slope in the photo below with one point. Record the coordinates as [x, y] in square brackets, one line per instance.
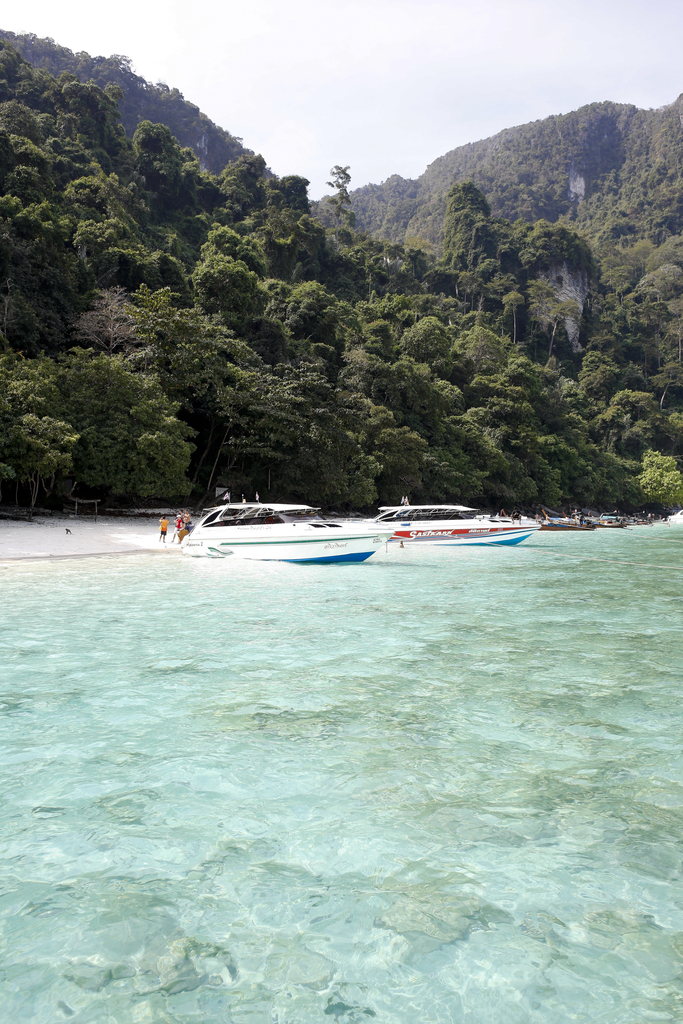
[611, 168]
[142, 101]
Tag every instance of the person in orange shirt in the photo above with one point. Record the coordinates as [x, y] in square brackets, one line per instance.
[163, 527]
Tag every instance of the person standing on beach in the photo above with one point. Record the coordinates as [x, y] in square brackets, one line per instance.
[163, 528]
[178, 526]
[186, 526]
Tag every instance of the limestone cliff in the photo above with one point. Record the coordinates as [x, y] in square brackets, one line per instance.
[569, 284]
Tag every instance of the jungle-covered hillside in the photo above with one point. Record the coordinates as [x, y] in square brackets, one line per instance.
[166, 330]
[611, 170]
[139, 100]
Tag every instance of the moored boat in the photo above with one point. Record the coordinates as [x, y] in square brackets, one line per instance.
[452, 524]
[676, 519]
[567, 526]
[284, 533]
[611, 522]
[571, 524]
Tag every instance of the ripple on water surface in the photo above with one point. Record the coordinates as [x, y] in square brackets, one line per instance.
[443, 785]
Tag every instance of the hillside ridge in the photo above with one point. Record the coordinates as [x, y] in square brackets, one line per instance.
[611, 169]
[213, 146]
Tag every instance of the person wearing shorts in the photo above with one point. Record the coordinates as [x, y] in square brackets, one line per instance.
[163, 528]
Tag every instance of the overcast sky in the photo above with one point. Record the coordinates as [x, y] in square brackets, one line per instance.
[384, 86]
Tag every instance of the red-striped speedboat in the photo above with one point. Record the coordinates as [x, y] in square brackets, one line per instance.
[453, 524]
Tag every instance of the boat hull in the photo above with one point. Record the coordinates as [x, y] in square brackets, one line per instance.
[568, 528]
[306, 548]
[469, 537]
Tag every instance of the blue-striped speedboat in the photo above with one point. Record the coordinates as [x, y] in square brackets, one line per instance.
[283, 533]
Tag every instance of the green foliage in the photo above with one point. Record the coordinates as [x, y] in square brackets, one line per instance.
[138, 99]
[165, 329]
[661, 480]
[613, 170]
[227, 287]
[428, 341]
[340, 201]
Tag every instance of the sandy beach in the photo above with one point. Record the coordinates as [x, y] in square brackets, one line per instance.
[48, 538]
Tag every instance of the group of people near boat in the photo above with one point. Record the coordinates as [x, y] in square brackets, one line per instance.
[183, 525]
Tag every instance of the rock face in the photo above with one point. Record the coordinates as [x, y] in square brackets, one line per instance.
[577, 186]
[201, 148]
[569, 284]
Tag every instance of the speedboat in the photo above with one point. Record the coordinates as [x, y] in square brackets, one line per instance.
[453, 524]
[676, 519]
[284, 533]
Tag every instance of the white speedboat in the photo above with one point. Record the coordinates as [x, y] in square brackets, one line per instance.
[676, 519]
[284, 533]
[453, 524]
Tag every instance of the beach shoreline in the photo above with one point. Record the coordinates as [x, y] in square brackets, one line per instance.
[58, 537]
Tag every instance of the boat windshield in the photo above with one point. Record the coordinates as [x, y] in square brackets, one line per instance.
[304, 515]
[251, 515]
[408, 513]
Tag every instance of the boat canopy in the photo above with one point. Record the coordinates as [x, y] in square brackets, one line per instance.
[413, 512]
[250, 513]
[252, 508]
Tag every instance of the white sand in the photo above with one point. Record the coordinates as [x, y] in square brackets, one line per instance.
[47, 538]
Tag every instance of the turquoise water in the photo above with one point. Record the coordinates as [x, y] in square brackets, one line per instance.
[441, 786]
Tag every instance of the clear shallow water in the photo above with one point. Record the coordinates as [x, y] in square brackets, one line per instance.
[442, 786]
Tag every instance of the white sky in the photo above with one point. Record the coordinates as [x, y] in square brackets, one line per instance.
[385, 86]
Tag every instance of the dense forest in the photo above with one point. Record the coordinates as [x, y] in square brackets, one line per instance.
[611, 170]
[139, 100]
[166, 331]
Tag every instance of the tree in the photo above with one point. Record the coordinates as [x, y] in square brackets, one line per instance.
[546, 309]
[428, 341]
[227, 287]
[47, 445]
[511, 302]
[341, 180]
[660, 479]
[676, 325]
[670, 375]
[469, 236]
[36, 439]
[109, 325]
[401, 454]
[129, 440]
[599, 376]
[159, 159]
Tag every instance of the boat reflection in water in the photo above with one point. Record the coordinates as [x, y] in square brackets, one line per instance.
[284, 533]
[453, 524]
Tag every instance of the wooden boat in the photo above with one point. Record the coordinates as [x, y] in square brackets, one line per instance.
[611, 523]
[559, 523]
[567, 527]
